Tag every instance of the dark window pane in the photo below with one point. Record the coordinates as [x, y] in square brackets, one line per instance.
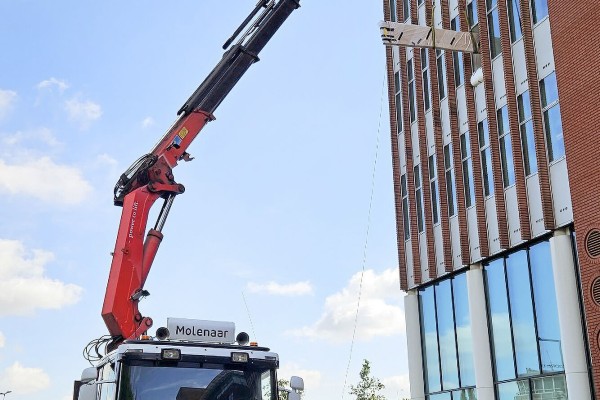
[405, 219]
[488, 177]
[434, 202]
[430, 341]
[546, 311]
[539, 9]
[419, 211]
[440, 74]
[472, 13]
[399, 112]
[426, 94]
[514, 20]
[392, 10]
[528, 145]
[468, 182]
[450, 193]
[482, 130]
[463, 331]
[508, 170]
[523, 327]
[448, 156]
[548, 90]
[406, 9]
[458, 68]
[447, 339]
[403, 185]
[411, 101]
[501, 333]
[494, 33]
[524, 106]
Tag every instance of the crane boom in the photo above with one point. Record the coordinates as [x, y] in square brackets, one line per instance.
[151, 177]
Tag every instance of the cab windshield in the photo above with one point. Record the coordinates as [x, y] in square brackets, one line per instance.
[187, 381]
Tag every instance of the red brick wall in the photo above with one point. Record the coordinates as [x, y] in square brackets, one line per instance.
[575, 35]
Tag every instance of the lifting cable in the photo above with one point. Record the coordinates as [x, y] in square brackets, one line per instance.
[364, 258]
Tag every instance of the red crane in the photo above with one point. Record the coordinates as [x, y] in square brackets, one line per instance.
[151, 176]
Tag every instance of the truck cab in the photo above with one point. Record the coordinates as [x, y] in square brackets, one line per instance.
[177, 369]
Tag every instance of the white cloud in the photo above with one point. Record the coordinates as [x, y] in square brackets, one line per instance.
[23, 380]
[147, 122]
[290, 289]
[43, 135]
[83, 112]
[2, 340]
[311, 377]
[45, 180]
[7, 97]
[53, 82]
[396, 387]
[23, 286]
[380, 312]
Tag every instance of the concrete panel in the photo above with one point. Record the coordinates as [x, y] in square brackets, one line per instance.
[543, 49]
[534, 201]
[499, 83]
[519, 67]
[492, 225]
[439, 250]
[561, 193]
[455, 243]
[423, 257]
[512, 211]
[473, 234]
[463, 120]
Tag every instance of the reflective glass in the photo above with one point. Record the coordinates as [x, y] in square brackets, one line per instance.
[521, 307]
[539, 9]
[466, 394]
[445, 314]
[440, 396]
[524, 106]
[514, 20]
[549, 90]
[472, 13]
[450, 193]
[426, 94]
[468, 182]
[406, 9]
[549, 388]
[554, 133]
[500, 321]
[430, 341]
[411, 101]
[488, 174]
[392, 10]
[506, 158]
[528, 145]
[399, 112]
[518, 390]
[463, 331]
[440, 74]
[546, 311]
[494, 32]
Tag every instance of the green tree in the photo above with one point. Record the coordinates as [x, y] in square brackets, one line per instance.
[282, 383]
[368, 388]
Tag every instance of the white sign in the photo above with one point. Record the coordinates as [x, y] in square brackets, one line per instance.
[196, 330]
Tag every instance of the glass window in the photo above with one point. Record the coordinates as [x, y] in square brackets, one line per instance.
[526, 130]
[552, 118]
[447, 344]
[419, 198]
[486, 157]
[446, 334]
[500, 320]
[392, 4]
[463, 330]
[494, 32]
[523, 316]
[430, 341]
[405, 219]
[456, 56]
[518, 390]
[441, 69]
[549, 387]
[506, 155]
[411, 91]
[521, 308]
[433, 184]
[514, 20]
[425, 70]
[406, 9]
[539, 10]
[398, 96]
[467, 167]
[449, 170]
[546, 311]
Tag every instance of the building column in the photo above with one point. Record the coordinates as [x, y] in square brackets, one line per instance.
[569, 316]
[482, 358]
[414, 345]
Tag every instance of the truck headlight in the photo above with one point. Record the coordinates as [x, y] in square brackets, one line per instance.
[170, 354]
[239, 357]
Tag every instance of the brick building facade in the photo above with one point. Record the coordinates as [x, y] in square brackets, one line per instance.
[496, 184]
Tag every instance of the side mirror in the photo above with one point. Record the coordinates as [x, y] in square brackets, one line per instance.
[296, 383]
[88, 391]
[89, 374]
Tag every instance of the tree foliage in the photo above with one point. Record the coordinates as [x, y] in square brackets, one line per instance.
[368, 388]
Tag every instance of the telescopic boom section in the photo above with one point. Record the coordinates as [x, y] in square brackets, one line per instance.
[151, 177]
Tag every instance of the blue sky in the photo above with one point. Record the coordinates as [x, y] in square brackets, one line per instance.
[276, 206]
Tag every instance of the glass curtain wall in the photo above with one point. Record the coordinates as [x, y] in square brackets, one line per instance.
[447, 344]
[525, 336]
